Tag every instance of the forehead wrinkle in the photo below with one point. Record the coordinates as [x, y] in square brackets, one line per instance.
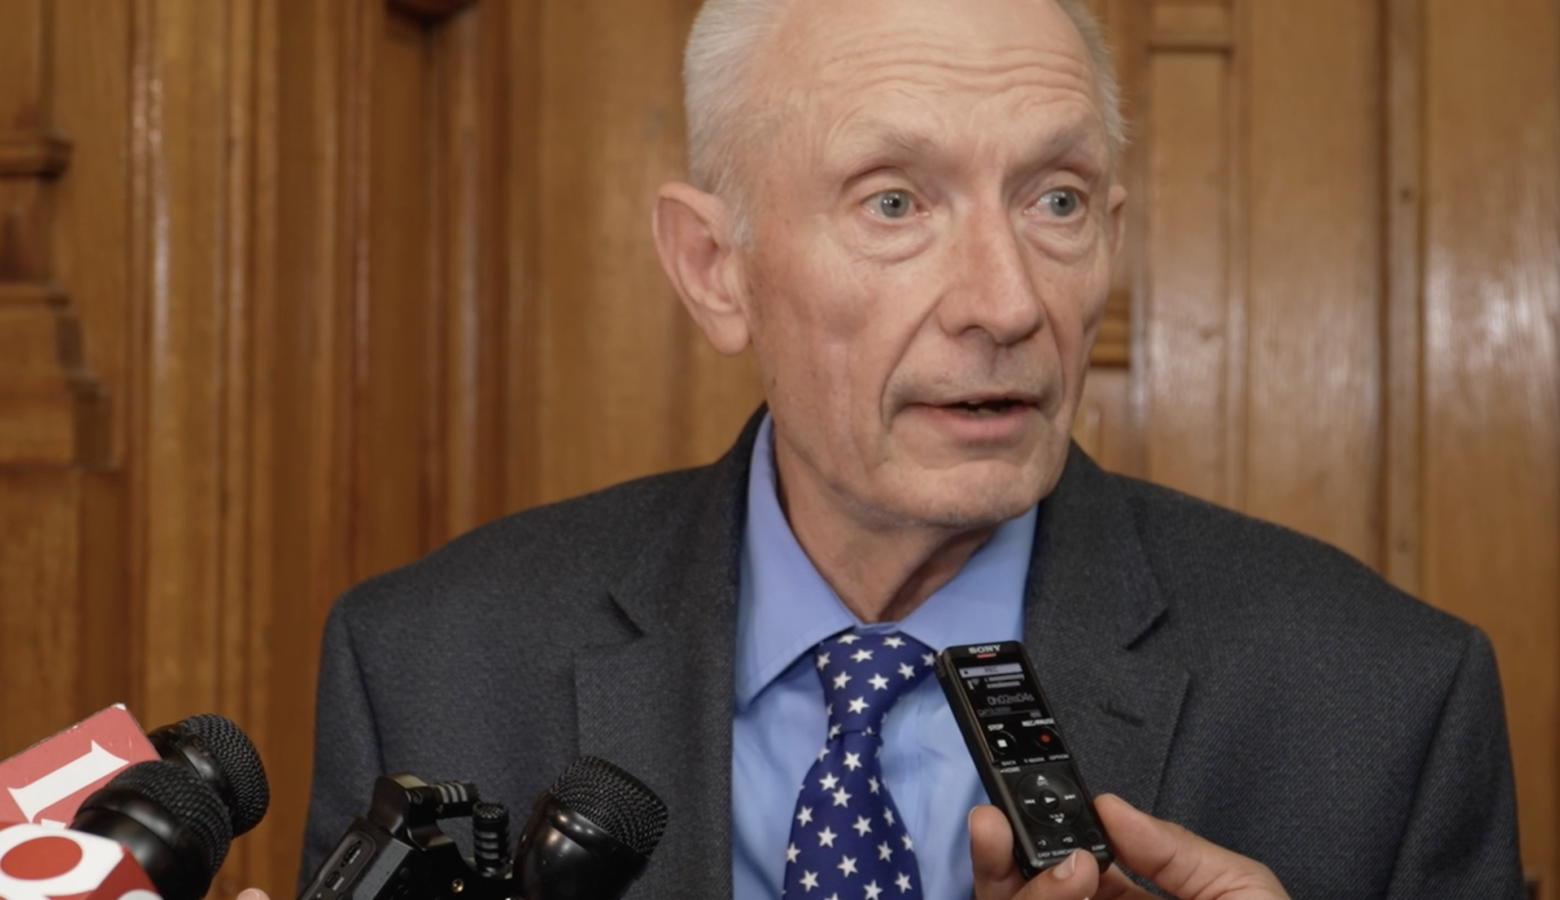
[952, 73]
[917, 133]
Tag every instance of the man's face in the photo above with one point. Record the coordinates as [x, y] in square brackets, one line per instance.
[934, 224]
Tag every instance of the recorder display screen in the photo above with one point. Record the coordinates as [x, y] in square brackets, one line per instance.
[1014, 721]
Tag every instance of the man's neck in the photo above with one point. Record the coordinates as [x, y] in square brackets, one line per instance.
[881, 571]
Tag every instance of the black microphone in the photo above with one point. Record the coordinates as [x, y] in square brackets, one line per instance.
[590, 835]
[170, 820]
[220, 753]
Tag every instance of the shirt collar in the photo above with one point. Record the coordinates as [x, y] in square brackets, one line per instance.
[785, 607]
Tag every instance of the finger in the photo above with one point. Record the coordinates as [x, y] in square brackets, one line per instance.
[252, 894]
[1179, 861]
[996, 873]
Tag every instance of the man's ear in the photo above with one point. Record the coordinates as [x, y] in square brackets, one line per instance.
[1116, 205]
[693, 235]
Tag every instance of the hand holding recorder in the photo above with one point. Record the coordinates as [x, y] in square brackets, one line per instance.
[1178, 861]
[1046, 838]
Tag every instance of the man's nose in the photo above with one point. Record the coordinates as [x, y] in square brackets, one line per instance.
[989, 287]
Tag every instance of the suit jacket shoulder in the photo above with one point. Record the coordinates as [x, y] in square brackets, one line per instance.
[599, 625]
[1253, 684]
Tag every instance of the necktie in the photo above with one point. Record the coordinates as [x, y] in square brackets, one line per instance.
[848, 841]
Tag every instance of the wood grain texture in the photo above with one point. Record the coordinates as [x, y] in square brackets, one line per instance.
[1402, 482]
[90, 211]
[40, 620]
[524, 72]
[1186, 318]
[1198, 26]
[52, 411]
[393, 296]
[24, 48]
[1313, 372]
[303, 307]
[610, 326]
[61, 610]
[1492, 363]
[1129, 24]
[467, 467]
[190, 343]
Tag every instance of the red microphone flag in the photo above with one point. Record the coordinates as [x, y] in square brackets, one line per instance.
[47, 782]
[39, 862]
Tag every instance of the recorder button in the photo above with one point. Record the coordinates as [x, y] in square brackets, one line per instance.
[1002, 743]
[1049, 741]
[1049, 800]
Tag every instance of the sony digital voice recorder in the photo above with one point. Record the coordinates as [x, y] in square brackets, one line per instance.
[1020, 754]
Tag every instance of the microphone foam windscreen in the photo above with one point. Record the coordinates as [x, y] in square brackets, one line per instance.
[237, 759]
[614, 801]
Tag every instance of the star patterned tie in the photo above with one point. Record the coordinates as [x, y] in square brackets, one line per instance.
[848, 841]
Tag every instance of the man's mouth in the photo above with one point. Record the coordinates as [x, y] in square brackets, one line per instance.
[980, 408]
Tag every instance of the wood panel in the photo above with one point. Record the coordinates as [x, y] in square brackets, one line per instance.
[303, 399]
[1403, 270]
[392, 293]
[1492, 363]
[610, 326]
[473, 159]
[37, 515]
[1312, 379]
[59, 540]
[1187, 328]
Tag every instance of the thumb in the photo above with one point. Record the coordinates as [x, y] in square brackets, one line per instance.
[1179, 861]
[252, 894]
[996, 872]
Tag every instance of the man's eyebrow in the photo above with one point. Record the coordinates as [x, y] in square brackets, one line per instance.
[871, 139]
[866, 142]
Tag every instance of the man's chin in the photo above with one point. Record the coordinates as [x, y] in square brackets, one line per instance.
[971, 496]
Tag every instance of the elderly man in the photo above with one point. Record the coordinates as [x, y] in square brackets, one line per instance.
[907, 209]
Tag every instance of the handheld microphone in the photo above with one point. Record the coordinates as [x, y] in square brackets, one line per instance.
[47, 782]
[589, 837]
[158, 826]
[220, 753]
[155, 829]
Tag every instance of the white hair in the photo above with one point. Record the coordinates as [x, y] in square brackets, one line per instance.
[721, 46]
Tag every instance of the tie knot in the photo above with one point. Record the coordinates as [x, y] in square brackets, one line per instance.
[863, 675]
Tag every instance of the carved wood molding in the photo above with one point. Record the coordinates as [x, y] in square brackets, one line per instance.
[1192, 26]
[32, 153]
[53, 412]
[433, 10]
[1113, 342]
[27, 293]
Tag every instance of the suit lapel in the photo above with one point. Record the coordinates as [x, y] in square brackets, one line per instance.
[660, 705]
[1091, 596]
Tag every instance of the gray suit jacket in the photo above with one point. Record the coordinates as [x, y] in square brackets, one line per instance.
[1261, 688]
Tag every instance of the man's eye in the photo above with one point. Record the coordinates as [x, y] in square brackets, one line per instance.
[891, 204]
[1062, 202]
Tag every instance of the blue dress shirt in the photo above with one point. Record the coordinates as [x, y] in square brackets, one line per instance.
[785, 608]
